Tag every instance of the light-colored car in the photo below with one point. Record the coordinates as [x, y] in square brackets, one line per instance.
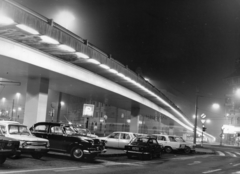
[118, 139]
[171, 142]
[37, 147]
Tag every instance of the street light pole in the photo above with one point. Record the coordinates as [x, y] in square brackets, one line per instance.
[195, 123]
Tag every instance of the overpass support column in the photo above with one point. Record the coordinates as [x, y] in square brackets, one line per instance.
[134, 125]
[36, 101]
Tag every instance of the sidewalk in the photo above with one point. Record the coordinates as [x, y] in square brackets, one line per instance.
[120, 152]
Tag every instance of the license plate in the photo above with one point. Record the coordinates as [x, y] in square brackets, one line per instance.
[135, 148]
[38, 150]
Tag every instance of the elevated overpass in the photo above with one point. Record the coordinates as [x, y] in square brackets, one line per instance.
[45, 56]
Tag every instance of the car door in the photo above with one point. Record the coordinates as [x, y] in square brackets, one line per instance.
[40, 131]
[124, 140]
[112, 139]
[162, 140]
[55, 137]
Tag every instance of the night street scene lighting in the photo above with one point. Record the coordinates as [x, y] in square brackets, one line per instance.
[119, 86]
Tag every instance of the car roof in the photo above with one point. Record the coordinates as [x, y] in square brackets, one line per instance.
[9, 122]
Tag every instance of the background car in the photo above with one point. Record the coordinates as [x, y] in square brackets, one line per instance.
[63, 138]
[118, 139]
[144, 147]
[170, 143]
[8, 147]
[37, 147]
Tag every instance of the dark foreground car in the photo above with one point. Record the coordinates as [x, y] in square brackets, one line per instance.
[63, 138]
[8, 147]
[144, 147]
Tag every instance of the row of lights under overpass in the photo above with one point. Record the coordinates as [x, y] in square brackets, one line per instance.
[4, 20]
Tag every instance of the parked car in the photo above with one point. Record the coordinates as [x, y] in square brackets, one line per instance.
[8, 147]
[85, 132]
[171, 143]
[118, 139]
[37, 147]
[144, 147]
[63, 138]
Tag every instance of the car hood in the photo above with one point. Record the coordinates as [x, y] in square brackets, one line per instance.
[27, 138]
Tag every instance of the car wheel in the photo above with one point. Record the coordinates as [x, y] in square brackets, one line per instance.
[187, 150]
[15, 156]
[2, 159]
[168, 149]
[77, 153]
[37, 155]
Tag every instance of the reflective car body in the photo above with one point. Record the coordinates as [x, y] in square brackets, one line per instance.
[118, 139]
[37, 147]
[171, 142]
[143, 147]
[8, 147]
[63, 138]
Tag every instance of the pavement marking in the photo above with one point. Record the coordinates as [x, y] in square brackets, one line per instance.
[231, 154]
[184, 158]
[236, 164]
[220, 153]
[211, 171]
[195, 162]
[35, 170]
[237, 153]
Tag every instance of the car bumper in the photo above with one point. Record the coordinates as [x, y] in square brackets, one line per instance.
[136, 152]
[30, 150]
[91, 152]
[6, 152]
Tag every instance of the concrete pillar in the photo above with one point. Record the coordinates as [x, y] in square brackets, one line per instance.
[36, 101]
[134, 125]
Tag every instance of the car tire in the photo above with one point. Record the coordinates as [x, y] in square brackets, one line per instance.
[2, 159]
[15, 156]
[77, 153]
[187, 150]
[37, 155]
[168, 149]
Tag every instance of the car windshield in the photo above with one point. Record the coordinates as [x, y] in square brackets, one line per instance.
[179, 139]
[18, 129]
[172, 139]
[69, 130]
[139, 141]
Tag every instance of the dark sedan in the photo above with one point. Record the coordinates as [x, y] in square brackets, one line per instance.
[144, 147]
[8, 147]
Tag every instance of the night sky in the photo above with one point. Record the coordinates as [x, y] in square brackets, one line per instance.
[187, 44]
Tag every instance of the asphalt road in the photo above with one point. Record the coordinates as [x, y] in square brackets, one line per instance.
[168, 164]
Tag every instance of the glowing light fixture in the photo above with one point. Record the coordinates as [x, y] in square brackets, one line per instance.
[6, 20]
[104, 66]
[48, 39]
[82, 55]
[121, 75]
[94, 61]
[66, 48]
[216, 106]
[127, 78]
[113, 71]
[27, 29]
[62, 103]
[146, 79]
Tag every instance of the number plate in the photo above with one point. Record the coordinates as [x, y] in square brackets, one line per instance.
[135, 148]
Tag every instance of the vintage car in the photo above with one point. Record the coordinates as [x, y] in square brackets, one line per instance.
[144, 147]
[171, 143]
[37, 147]
[63, 138]
[118, 139]
[8, 147]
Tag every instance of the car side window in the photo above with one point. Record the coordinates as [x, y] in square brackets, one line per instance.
[162, 138]
[114, 135]
[56, 130]
[124, 136]
[41, 128]
[3, 129]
